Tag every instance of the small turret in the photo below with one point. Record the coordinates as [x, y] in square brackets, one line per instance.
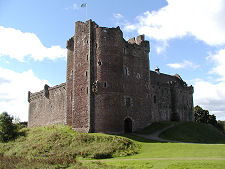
[157, 70]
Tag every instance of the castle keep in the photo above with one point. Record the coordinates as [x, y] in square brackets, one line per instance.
[109, 87]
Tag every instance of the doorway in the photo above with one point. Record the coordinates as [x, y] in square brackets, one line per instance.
[128, 125]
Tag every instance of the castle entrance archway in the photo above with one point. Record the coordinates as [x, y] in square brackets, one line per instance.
[128, 125]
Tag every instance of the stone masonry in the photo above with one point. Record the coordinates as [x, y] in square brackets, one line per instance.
[109, 87]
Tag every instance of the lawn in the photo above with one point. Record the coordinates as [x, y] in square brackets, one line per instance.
[194, 132]
[172, 156]
[60, 147]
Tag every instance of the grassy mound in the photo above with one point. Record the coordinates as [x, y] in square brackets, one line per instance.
[194, 132]
[155, 127]
[61, 141]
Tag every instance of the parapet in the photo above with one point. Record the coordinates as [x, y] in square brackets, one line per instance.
[70, 44]
[138, 40]
[45, 92]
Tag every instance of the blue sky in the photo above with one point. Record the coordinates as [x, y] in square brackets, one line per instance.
[186, 37]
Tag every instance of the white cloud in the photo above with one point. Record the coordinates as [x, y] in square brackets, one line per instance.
[19, 45]
[203, 19]
[211, 97]
[182, 65]
[75, 7]
[219, 60]
[14, 89]
[161, 48]
[117, 16]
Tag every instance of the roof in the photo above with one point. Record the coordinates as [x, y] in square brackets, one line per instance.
[161, 78]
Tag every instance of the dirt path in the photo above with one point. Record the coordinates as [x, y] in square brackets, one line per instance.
[155, 136]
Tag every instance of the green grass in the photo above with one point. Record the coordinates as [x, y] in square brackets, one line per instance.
[52, 144]
[155, 127]
[194, 132]
[168, 164]
[172, 156]
[67, 149]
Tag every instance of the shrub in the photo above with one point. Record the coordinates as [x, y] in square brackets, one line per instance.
[8, 130]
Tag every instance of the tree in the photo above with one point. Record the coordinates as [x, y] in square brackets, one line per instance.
[203, 116]
[8, 130]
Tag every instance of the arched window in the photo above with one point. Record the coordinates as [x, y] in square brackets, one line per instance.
[128, 125]
[125, 71]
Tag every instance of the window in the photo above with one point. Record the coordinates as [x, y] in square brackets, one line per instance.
[128, 101]
[125, 71]
[86, 73]
[99, 63]
[124, 51]
[87, 90]
[87, 57]
[154, 99]
[105, 84]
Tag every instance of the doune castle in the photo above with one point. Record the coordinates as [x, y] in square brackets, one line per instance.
[109, 87]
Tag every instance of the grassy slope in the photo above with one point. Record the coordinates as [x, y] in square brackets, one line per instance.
[152, 155]
[55, 144]
[194, 132]
[173, 156]
[155, 127]
[176, 155]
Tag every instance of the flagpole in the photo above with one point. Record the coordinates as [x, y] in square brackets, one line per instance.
[84, 5]
[86, 12]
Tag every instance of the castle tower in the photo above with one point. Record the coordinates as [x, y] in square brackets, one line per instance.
[80, 77]
[107, 80]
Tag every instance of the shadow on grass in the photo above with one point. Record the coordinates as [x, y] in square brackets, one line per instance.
[134, 137]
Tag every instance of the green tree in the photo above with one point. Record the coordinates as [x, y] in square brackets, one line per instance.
[203, 116]
[8, 130]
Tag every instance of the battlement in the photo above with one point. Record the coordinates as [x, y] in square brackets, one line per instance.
[45, 92]
[138, 40]
[89, 26]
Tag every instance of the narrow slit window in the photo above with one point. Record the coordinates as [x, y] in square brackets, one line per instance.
[124, 51]
[87, 57]
[86, 73]
[87, 90]
[125, 71]
[154, 99]
[105, 84]
[128, 101]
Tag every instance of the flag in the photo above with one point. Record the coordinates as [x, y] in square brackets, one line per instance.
[83, 5]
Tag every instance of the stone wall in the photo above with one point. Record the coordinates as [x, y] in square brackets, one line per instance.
[108, 66]
[170, 96]
[80, 85]
[47, 106]
[69, 80]
[136, 82]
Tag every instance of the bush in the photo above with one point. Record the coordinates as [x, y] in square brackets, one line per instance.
[8, 130]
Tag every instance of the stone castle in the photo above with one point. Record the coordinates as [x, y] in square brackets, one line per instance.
[109, 87]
